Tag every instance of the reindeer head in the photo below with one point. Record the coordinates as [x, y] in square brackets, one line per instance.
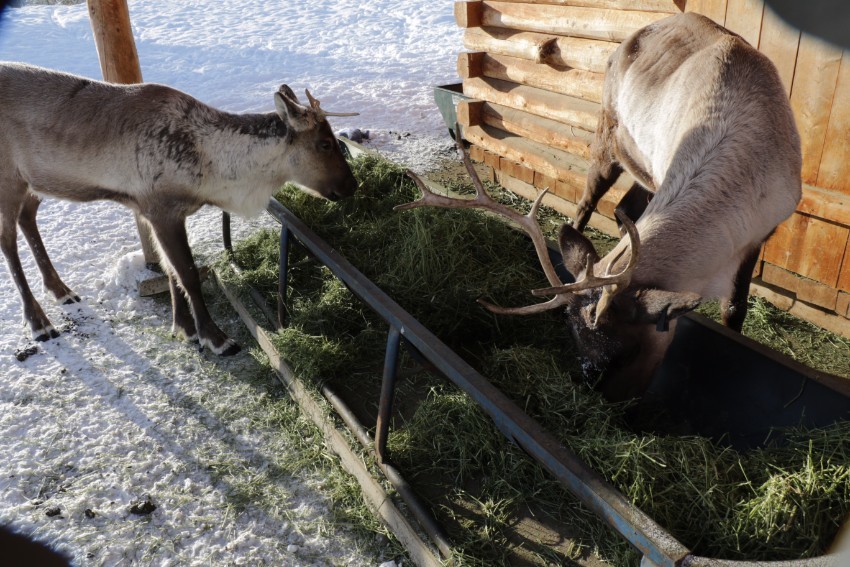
[620, 327]
[319, 166]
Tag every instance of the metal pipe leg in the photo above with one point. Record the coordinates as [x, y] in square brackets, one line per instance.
[282, 311]
[387, 393]
[225, 232]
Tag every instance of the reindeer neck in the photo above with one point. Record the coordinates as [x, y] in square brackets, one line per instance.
[244, 159]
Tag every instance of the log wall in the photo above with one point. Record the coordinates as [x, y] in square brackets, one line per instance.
[534, 71]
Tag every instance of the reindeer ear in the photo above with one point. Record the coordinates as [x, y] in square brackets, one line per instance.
[299, 117]
[575, 248]
[656, 305]
[287, 92]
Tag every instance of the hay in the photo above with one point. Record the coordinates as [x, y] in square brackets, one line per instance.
[781, 502]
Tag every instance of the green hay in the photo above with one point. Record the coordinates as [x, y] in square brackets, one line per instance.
[781, 502]
[791, 336]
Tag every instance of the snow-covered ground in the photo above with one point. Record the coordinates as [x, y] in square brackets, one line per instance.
[116, 411]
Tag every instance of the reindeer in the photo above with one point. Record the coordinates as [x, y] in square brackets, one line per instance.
[158, 151]
[700, 118]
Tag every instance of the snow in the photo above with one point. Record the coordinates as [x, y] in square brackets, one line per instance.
[115, 411]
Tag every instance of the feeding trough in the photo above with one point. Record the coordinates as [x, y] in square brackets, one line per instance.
[447, 97]
[692, 370]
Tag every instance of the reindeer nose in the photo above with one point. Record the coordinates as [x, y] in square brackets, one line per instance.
[346, 189]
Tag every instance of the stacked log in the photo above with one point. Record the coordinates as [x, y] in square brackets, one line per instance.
[534, 71]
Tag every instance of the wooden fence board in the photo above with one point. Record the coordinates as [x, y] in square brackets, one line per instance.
[500, 41]
[744, 17]
[591, 23]
[468, 14]
[549, 161]
[812, 93]
[805, 289]
[561, 108]
[663, 6]
[542, 130]
[844, 276]
[834, 171]
[714, 9]
[825, 204]
[574, 52]
[810, 247]
[585, 85]
[780, 43]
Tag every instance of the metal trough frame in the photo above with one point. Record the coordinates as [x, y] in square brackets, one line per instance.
[657, 546]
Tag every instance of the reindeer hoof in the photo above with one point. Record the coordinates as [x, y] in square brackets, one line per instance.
[228, 348]
[45, 334]
[231, 350]
[68, 300]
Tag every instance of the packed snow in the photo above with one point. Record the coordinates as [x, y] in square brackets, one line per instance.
[116, 413]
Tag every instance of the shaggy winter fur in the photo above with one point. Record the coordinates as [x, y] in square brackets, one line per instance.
[160, 152]
[700, 118]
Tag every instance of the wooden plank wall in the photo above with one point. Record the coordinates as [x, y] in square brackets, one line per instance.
[534, 71]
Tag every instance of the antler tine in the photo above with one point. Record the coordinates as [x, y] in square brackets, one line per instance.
[556, 301]
[612, 283]
[315, 105]
[484, 201]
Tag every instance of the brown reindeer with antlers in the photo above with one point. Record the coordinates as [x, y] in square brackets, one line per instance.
[701, 118]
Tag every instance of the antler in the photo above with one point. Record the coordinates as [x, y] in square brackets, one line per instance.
[590, 281]
[611, 284]
[482, 200]
[314, 104]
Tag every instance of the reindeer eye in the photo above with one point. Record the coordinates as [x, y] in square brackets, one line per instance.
[325, 146]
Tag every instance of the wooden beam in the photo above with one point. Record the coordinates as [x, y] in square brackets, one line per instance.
[744, 17]
[573, 52]
[812, 93]
[779, 41]
[805, 289]
[662, 6]
[842, 306]
[810, 247]
[580, 53]
[585, 85]
[591, 23]
[470, 64]
[542, 130]
[834, 170]
[525, 45]
[549, 161]
[561, 108]
[714, 9]
[563, 206]
[468, 14]
[785, 301]
[119, 63]
[825, 204]
[469, 112]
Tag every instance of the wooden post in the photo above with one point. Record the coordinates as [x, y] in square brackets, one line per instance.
[119, 63]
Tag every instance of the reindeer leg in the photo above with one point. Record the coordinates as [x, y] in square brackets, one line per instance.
[734, 309]
[10, 207]
[183, 322]
[603, 172]
[633, 204]
[52, 282]
[170, 233]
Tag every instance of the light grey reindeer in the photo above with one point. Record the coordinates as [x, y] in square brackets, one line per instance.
[158, 151]
[700, 118]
